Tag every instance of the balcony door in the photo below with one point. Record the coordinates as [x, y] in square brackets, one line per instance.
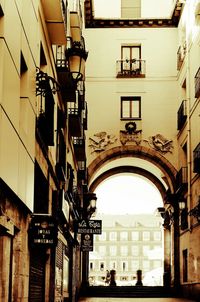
[131, 56]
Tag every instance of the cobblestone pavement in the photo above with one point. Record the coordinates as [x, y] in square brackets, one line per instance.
[134, 300]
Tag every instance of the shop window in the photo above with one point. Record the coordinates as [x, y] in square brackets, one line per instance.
[131, 108]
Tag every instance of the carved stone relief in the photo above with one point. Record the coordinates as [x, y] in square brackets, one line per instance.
[101, 141]
[131, 134]
[160, 143]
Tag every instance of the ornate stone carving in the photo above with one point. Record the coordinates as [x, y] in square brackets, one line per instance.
[160, 143]
[101, 141]
[131, 134]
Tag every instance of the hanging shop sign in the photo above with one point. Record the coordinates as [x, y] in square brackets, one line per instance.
[88, 226]
[43, 230]
[87, 242]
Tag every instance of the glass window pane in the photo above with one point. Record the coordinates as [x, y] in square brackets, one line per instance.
[135, 109]
[126, 109]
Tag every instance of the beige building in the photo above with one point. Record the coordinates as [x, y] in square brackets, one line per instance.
[142, 82]
[128, 243]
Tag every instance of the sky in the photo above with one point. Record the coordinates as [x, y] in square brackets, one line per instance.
[127, 194]
[112, 8]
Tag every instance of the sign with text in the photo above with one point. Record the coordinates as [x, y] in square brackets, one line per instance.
[43, 230]
[87, 242]
[89, 226]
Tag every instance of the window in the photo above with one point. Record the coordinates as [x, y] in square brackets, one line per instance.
[113, 236]
[131, 107]
[102, 237]
[123, 236]
[113, 265]
[91, 266]
[131, 52]
[102, 250]
[146, 236]
[196, 156]
[157, 236]
[124, 266]
[113, 250]
[124, 250]
[101, 266]
[135, 235]
[146, 265]
[146, 249]
[135, 250]
[135, 265]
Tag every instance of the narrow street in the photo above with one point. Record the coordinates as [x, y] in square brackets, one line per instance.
[94, 299]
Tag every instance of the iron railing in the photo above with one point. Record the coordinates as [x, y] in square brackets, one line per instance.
[131, 68]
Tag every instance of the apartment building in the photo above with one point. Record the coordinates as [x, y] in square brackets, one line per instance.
[128, 243]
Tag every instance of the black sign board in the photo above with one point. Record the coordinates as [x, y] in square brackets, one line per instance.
[89, 226]
[87, 242]
[43, 231]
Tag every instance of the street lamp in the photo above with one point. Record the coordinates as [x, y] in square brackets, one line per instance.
[76, 56]
[90, 199]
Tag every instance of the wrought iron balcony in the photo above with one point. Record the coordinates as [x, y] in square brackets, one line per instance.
[131, 68]
[65, 79]
[181, 179]
[197, 84]
[82, 170]
[75, 121]
[79, 148]
[196, 158]
[181, 55]
[181, 115]
[55, 13]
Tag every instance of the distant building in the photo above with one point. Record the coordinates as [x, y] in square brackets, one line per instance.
[127, 243]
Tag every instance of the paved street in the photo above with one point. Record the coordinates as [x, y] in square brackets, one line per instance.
[93, 299]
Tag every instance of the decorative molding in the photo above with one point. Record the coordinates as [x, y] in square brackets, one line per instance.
[101, 141]
[160, 143]
[131, 134]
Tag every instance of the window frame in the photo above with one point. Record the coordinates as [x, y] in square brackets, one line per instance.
[130, 99]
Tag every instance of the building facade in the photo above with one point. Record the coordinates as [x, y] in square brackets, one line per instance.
[128, 243]
[143, 92]
[146, 92]
[43, 178]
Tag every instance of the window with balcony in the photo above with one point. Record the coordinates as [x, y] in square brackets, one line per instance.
[131, 108]
[197, 84]
[131, 64]
[196, 158]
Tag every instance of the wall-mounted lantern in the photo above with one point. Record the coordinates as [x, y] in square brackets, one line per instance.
[90, 201]
[45, 83]
[76, 56]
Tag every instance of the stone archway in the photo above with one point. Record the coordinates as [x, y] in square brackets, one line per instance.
[150, 155]
[141, 152]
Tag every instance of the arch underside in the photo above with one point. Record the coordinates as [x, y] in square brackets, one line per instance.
[141, 152]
